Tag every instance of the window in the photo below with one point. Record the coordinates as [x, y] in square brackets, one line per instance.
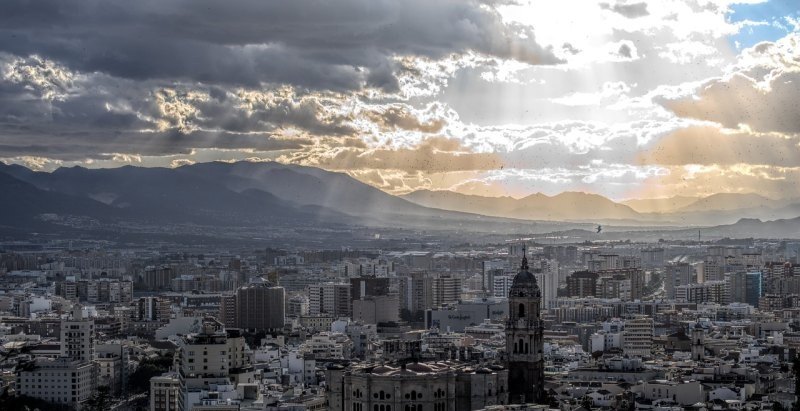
[521, 310]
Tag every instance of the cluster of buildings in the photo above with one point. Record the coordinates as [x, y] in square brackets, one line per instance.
[700, 326]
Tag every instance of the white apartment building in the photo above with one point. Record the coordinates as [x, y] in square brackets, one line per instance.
[637, 337]
[60, 381]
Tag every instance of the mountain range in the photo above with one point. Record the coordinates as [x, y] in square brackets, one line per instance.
[220, 194]
[562, 207]
[264, 195]
[716, 209]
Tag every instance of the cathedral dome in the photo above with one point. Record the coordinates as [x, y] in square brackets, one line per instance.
[524, 278]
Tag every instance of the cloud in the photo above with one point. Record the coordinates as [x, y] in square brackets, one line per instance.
[393, 181]
[741, 101]
[181, 162]
[632, 10]
[435, 154]
[694, 180]
[401, 117]
[78, 145]
[709, 146]
[760, 91]
[341, 45]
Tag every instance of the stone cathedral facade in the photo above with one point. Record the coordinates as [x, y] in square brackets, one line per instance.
[524, 341]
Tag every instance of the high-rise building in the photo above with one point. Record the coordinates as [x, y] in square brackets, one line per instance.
[227, 310]
[157, 278]
[329, 299]
[376, 310]
[213, 358]
[165, 392]
[546, 272]
[260, 306]
[297, 306]
[745, 287]
[713, 268]
[72, 378]
[524, 339]
[416, 295]
[582, 284]
[153, 309]
[502, 285]
[105, 290]
[707, 292]
[368, 286]
[637, 337]
[77, 336]
[775, 274]
[489, 270]
[627, 284]
[445, 289]
[792, 251]
[676, 275]
[59, 381]
[653, 257]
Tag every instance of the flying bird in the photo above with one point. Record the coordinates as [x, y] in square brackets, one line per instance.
[599, 229]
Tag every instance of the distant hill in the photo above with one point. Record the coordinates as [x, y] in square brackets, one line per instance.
[257, 196]
[25, 205]
[567, 206]
[261, 194]
[659, 205]
[730, 201]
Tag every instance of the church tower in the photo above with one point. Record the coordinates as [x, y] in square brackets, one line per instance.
[698, 343]
[524, 341]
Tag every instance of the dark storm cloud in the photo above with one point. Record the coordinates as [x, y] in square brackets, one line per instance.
[46, 110]
[333, 45]
[79, 145]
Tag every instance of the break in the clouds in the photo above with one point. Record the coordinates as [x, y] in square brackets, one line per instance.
[621, 98]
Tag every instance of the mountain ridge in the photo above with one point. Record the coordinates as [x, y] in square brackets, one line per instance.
[270, 194]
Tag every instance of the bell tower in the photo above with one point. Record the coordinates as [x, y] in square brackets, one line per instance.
[698, 343]
[524, 341]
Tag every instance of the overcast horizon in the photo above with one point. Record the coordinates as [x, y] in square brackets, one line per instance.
[488, 97]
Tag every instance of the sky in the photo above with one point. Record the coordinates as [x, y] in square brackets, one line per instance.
[625, 99]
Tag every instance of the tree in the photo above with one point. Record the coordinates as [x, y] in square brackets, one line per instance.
[587, 402]
[100, 401]
[139, 380]
[796, 372]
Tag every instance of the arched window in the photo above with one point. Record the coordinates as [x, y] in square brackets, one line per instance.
[521, 310]
[521, 346]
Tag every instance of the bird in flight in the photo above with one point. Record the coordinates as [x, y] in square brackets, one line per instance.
[599, 229]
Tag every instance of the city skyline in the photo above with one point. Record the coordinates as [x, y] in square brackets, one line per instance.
[622, 99]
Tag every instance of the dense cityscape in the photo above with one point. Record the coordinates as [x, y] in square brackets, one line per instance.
[662, 326]
[399, 205]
